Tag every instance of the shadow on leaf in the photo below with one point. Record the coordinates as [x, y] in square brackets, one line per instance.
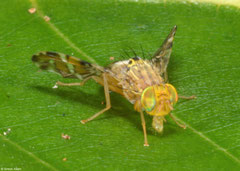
[120, 107]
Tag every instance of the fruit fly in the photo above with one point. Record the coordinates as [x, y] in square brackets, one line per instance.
[143, 82]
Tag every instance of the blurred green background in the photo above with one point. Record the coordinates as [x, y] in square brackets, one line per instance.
[205, 62]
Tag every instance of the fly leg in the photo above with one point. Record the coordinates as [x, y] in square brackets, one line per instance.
[144, 128]
[58, 83]
[174, 119]
[187, 97]
[108, 102]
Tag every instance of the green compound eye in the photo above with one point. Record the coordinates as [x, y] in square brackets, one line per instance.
[148, 100]
[173, 93]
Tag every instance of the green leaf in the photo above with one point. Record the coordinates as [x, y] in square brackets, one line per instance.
[205, 62]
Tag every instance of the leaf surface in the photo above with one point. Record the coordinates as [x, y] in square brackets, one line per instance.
[205, 62]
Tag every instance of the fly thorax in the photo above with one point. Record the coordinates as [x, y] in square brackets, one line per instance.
[158, 100]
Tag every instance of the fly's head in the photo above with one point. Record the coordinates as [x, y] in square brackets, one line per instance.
[158, 101]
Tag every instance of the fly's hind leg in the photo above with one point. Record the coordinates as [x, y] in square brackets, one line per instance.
[108, 102]
[58, 83]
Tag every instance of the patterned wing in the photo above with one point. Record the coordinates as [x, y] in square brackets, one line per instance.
[161, 57]
[65, 65]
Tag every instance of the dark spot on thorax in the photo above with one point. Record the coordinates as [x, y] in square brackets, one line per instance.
[136, 58]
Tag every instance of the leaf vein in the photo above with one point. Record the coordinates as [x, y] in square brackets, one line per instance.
[59, 33]
[218, 147]
[27, 152]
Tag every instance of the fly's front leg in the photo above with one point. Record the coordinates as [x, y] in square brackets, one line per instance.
[58, 83]
[144, 129]
[187, 97]
[174, 119]
[108, 102]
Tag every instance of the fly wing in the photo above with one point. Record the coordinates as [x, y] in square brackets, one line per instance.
[65, 65]
[161, 57]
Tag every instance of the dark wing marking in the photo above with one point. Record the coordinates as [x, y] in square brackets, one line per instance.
[161, 57]
[65, 65]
